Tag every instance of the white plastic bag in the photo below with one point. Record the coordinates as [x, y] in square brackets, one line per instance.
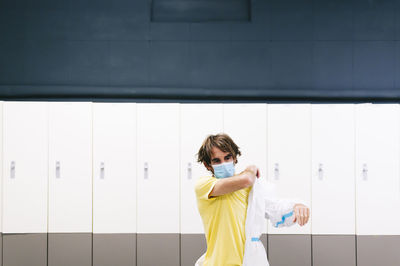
[262, 204]
[254, 251]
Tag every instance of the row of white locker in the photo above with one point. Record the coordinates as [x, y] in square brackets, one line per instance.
[131, 167]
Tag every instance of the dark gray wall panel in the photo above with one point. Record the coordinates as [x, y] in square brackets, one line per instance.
[46, 62]
[333, 65]
[66, 249]
[169, 63]
[291, 65]
[205, 10]
[129, 63]
[374, 65]
[259, 27]
[397, 62]
[249, 65]
[12, 62]
[333, 250]
[104, 20]
[89, 62]
[210, 31]
[291, 19]
[374, 20]
[192, 247]
[158, 249]
[12, 21]
[48, 23]
[289, 250]
[397, 22]
[24, 249]
[172, 31]
[378, 250]
[114, 249]
[333, 20]
[80, 44]
[210, 63]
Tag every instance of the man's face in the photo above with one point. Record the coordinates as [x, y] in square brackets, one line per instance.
[218, 157]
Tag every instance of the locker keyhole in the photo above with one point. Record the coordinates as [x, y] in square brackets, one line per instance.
[189, 170]
[320, 172]
[102, 170]
[276, 171]
[12, 170]
[57, 169]
[146, 170]
[365, 172]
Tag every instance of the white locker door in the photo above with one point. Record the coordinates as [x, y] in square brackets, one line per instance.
[114, 168]
[377, 169]
[25, 176]
[289, 157]
[158, 168]
[333, 182]
[246, 124]
[70, 167]
[197, 122]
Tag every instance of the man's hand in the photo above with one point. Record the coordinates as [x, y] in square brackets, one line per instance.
[302, 213]
[255, 172]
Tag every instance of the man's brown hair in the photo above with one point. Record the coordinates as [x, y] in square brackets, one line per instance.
[223, 142]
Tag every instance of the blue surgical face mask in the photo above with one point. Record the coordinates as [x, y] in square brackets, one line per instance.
[224, 170]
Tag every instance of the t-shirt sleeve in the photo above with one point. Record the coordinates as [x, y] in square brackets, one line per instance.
[203, 187]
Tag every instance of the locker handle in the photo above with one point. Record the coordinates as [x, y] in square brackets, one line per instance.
[276, 171]
[365, 172]
[146, 170]
[320, 172]
[189, 175]
[12, 170]
[102, 170]
[57, 169]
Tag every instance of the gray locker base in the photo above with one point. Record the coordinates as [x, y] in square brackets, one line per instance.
[66, 249]
[114, 249]
[25, 249]
[1, 249]
[286, 250]
[158, 249]
[333, 250]
[378, 250]
[192, 247]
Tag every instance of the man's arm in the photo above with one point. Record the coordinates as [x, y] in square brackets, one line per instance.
[231, 184]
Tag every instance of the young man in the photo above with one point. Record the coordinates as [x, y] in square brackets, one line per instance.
[222, 201]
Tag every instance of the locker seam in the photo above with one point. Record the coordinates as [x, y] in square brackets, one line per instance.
[355, 180]
[91, 109]
[48, 179]
[136, 180]
[354, 137]
[180, 185]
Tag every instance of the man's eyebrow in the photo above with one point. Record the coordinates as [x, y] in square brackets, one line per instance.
[216, 159]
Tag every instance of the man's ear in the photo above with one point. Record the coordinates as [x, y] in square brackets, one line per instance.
[209, 168]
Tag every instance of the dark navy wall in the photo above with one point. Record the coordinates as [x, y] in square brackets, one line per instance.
[291, 49]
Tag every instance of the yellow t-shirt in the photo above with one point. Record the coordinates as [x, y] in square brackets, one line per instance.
[224, 219]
